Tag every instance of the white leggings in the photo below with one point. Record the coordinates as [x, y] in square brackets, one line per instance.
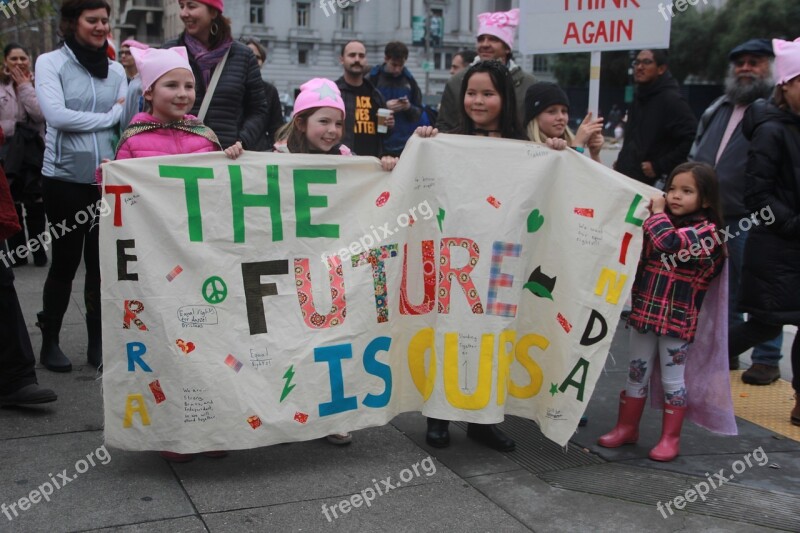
[644, 348]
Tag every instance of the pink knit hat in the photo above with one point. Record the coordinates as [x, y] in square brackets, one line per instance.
[500, 24]
[219, 5]
[319, 92]
[787, 60]
[133, 43]
[155, 62]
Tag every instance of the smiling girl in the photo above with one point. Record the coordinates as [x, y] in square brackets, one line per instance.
[547, 118]
[166, 127]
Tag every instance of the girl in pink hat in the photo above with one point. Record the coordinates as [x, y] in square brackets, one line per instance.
[316, 128]
[317, 123]
[165, 127]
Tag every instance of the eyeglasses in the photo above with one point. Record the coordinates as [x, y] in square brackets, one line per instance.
[752, 62]
[645, 62]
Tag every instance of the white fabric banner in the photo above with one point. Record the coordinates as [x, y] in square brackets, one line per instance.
[286, 297]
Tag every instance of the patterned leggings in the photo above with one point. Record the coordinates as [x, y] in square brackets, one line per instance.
[644, 348]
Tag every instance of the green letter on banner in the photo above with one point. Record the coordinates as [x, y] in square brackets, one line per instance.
[240, 200]
[190, 175]
[304, 202]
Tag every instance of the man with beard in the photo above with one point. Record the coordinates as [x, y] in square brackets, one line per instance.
[361, 103]
[661, 124]
[721, 144]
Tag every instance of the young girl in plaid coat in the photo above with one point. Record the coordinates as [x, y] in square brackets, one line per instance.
[682, 253]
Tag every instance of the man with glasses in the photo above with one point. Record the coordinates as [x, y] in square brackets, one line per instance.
[721, 143]
[661, 126]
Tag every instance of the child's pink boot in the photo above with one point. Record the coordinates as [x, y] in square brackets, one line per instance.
[627, 429]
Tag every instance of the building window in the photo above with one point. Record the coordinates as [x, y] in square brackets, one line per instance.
[442, 60]
[256, 11]
[303, 14]
[302, 57]
[348, 18]
[541, 63]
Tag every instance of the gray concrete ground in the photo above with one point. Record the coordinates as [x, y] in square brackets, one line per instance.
[539, 487]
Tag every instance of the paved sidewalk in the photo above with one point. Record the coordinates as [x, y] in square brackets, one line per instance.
[465, 487]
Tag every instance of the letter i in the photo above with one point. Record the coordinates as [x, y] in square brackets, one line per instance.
[54, 481]
[375, 232]
[708, 476]
[377, 487]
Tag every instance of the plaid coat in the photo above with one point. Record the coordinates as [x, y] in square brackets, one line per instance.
[674, 273]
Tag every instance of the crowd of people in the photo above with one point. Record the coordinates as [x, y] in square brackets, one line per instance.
[204, 92]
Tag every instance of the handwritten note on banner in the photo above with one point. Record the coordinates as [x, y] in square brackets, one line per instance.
[286, 297]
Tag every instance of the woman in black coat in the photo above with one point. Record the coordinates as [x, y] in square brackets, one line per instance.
[770, 290]
[238, 111]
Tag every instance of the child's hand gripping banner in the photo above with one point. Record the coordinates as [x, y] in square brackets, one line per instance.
[283, 297]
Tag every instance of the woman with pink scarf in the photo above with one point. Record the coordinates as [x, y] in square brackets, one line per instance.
[238, 111]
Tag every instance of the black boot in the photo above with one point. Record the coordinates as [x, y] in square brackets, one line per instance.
[56, 299]
[51, 356]
[91, 297]
[35, 220]
[17, 240]
[491, 436]
[438, 434]
[94, 354]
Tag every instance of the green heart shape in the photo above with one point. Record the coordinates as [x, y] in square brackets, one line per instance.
[535, 221]
[538, 289]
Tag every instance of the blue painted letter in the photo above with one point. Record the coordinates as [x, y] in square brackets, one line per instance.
[333, 355]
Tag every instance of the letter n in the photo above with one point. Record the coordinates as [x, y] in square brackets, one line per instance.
[612, 282]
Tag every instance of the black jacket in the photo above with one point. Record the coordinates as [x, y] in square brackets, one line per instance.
[770, 288]
[275, 112]
[660, 129]
[23, 163]
[238, 110]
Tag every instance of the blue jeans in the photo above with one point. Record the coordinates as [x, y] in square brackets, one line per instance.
[769, 352]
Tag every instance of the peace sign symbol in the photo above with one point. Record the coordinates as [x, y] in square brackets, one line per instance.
[214, 290]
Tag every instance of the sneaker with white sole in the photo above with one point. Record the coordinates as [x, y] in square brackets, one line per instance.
[340, 439]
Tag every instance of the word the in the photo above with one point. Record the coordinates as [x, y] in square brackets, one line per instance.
[367, 241]
[702, 488]
[43, 240]
[343, 4]
[706, 243]
[356, 500]
[45, 490]
[5, 5]
[680, 5]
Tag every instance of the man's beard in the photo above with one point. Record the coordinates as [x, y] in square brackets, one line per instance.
[746, 93]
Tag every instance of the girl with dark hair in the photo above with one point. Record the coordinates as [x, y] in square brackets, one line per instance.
[80, 92]
[666, 301]
[238, 111]
[489, 103]
[488, 108]
[22, 120]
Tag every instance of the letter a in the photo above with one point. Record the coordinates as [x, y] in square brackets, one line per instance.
[140, 408]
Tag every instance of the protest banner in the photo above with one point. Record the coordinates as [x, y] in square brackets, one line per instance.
[285, 297]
